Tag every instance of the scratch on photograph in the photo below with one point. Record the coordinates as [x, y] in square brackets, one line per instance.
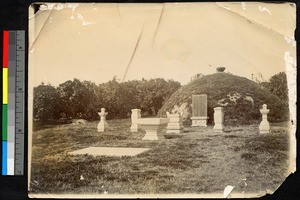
[161, 100]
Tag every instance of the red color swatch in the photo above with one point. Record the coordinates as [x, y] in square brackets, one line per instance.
[5, 49]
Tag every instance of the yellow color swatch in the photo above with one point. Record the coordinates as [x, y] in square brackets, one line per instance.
[5, 85]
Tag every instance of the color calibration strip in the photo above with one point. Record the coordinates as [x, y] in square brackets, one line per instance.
[4, 102]
[13, 102]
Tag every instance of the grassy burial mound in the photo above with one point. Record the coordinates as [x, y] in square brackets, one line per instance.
[240, 97]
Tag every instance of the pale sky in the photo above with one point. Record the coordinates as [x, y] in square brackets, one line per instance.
[176, 41]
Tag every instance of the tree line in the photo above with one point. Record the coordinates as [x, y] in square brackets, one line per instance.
[75, 99]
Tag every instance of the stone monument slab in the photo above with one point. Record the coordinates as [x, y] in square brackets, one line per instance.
[199, 110]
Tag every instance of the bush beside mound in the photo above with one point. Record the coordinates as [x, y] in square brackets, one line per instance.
[241, 98]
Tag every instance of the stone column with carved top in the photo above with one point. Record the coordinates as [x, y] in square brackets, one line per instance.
[264, 126]
[102, 125]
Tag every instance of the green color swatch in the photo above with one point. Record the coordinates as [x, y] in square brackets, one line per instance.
[4, 122]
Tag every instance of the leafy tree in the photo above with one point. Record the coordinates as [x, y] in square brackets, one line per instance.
[78, 99]
[153, 93]
[93, 104]
[130, 94]
[278, 86]
[111, 93]
[119, 98]
[46, 102]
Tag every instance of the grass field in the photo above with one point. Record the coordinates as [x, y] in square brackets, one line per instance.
[200, 161]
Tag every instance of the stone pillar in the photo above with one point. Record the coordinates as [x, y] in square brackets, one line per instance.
[135, 115]
[264, 126]
[199, 110]
[102, 125]
[175, 123]
[218, 118]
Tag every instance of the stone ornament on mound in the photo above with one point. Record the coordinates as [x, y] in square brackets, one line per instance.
[264, 126]
[135, 115]
[218, 118]
[152, 126]
[102, 125]
[220, 69]
[175, 123]
[199, 110]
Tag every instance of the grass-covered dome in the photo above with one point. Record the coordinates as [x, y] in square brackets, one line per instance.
[240, 97]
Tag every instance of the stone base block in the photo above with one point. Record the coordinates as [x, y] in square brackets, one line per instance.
[150, 135]
[102, 126]
[152, 131]
[264, 131]
[174, 127]
[199, 121]
[218, 128]
[264, 128]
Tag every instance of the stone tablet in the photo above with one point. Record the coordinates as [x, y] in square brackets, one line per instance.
[199, 110]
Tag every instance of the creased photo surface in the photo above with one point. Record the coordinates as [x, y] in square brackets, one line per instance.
[161, 100]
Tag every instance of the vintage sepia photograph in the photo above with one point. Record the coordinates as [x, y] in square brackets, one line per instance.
[161, 100]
